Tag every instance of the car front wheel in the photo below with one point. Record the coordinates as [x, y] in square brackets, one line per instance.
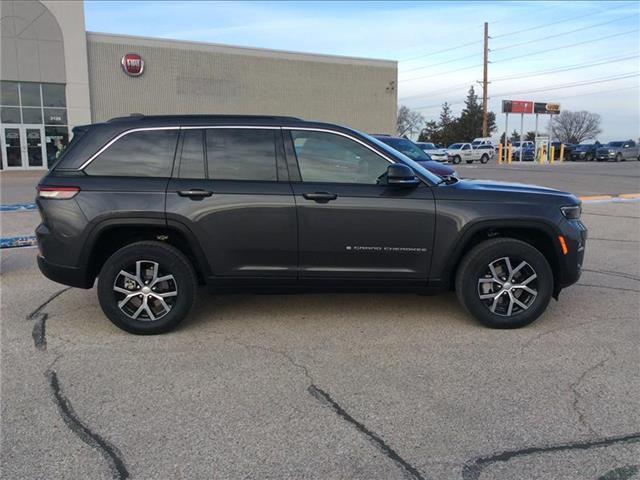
[504, 283]
[147, 288]
[484, 159]
[456, 160]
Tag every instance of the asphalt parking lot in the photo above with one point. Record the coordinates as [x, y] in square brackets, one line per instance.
[353, 386]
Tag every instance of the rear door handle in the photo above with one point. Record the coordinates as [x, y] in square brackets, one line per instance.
[195, 193]
[321, 197]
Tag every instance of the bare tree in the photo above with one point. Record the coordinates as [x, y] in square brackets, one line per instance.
[575, 127]
[408, 121]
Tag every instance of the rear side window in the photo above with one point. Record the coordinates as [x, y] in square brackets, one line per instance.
[138, 154]
[241, 154]
[192, 156]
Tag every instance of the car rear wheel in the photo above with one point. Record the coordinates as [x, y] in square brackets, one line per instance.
[456, 160]
[504, 283]
[484, 159]
[147, 288]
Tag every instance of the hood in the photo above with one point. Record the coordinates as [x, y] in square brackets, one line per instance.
[437, 168]
[514, 191]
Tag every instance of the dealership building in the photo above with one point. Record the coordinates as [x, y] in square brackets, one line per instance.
[56, 75]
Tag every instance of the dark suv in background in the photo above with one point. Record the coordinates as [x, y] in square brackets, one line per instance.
[154, 206]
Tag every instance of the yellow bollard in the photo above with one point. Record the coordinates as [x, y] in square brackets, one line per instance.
[509, 153]
[552, 154]
[499, 153]
[543, 154]
[562, 152]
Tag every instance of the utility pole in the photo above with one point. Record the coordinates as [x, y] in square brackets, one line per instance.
[485, 81]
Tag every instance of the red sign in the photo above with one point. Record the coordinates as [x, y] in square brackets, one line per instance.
[132, 64]
[516, 106]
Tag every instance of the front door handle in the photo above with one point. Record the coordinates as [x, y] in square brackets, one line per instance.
[321, 197]
[195, 193]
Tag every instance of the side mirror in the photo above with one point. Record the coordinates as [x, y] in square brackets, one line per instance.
[401, 174]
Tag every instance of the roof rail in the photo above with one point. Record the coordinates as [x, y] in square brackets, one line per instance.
[141, 116]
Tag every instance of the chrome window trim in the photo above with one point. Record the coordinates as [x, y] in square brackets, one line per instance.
[325, 130]
[245, 127]
[118, 137]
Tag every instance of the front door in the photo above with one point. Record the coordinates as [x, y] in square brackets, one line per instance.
[349, 225]
[23, 147]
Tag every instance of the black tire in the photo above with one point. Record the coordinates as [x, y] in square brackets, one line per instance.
[589, 157]
[170, 262]
[473, 269]
[456, 160]
[619, 157]
[484, 159]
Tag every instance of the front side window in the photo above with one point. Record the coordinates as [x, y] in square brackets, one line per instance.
[327, 157]
[241, 154]
[146, 153]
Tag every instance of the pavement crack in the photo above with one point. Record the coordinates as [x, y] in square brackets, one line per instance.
[612, 273]
[325, 398]
[621, 473]
[609, 288]
[577, 396]
[473, 468]
[47, 302]
[39, 331]
[110, 453]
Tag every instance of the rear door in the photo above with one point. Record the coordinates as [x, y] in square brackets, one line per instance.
[350, 225]
[231, 190]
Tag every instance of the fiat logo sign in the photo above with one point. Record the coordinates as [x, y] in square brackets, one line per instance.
[132, 64]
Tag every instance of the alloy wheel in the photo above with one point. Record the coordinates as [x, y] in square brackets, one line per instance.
[505, 290]
[145, 291]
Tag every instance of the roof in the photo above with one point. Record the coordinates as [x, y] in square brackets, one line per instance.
[204, 117]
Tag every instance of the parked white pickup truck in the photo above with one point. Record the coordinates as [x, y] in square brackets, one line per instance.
[464, 151]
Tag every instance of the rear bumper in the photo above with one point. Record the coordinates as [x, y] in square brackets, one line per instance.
[72, 276]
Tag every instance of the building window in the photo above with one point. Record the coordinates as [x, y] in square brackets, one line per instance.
[44, 104]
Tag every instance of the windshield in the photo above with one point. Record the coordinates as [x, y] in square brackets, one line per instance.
[407, 147]
[395, 154]
[584, 147]
[427, 146]
[456, 146]
[515, 144]
[615, 144]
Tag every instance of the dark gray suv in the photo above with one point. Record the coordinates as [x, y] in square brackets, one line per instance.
[153, 206]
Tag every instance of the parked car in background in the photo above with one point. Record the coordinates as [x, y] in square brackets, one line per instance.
[517, 145]
[486, 147]
[411, 150]
[482, 141]
[436, 154]
[568, 148]
[464, 151]
[584, 151]
[528, 153]
[618, 151]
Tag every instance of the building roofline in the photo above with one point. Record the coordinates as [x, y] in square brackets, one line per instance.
[237, 50]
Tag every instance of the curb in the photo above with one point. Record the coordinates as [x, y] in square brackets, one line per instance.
[622, 197]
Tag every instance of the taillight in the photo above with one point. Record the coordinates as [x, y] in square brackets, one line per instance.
[57, 193]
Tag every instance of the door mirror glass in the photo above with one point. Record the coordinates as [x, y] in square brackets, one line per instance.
[400, 174]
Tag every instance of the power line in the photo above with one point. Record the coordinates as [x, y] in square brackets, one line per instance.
[541, 39]
[527, 75]
[570, 85]
[560, 47]
[439, 74]
[439, 51]
[566, 68]
[545, 25]
[598, 92]
[441, 63]
[544, 89]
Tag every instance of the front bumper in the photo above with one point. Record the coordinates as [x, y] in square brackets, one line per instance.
[575, 234]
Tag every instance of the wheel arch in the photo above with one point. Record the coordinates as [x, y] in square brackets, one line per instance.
[539, 234]
[110, 235]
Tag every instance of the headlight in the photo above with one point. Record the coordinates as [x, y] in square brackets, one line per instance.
[573, 212]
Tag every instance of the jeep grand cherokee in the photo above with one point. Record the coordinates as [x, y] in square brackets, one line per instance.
[153, 206]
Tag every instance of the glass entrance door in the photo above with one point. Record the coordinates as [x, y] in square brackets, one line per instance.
[23, 147]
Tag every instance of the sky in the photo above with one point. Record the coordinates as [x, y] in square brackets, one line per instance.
[540, 51]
